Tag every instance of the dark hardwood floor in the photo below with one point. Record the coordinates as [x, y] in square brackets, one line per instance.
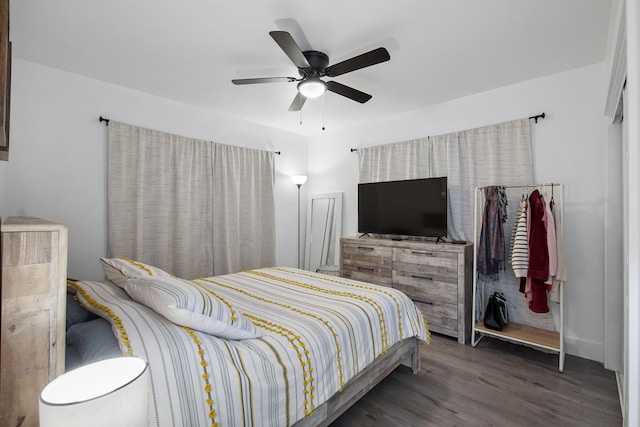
[495, 384]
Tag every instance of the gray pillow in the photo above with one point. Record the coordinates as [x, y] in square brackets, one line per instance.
[75, 313]
[93, 340]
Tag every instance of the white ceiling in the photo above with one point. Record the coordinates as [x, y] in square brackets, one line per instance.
[189, 50]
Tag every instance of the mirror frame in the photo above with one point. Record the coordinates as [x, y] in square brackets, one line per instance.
[337, 208]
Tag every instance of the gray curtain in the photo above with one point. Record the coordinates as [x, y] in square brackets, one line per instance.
[499, 154]
[188, 206]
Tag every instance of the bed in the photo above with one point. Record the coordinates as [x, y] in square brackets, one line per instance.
[268, 347]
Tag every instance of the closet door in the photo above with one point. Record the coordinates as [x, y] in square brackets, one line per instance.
[614, 242]
[623, 378]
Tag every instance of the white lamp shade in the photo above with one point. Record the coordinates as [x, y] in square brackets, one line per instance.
[312, 87]
[299, 179]
[110, 392]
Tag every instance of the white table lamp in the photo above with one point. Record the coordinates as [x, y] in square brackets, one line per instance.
[110, 392]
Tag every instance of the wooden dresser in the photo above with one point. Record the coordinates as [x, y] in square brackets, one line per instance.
[33, 286]
[437, 276]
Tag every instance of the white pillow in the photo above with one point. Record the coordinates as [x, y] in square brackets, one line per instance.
[187, 304]
[118, 270]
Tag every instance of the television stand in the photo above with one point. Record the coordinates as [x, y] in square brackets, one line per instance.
[436, 276]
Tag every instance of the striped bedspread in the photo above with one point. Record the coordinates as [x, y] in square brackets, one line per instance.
[318, 332]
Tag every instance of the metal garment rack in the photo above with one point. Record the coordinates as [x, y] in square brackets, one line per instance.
[517, 332]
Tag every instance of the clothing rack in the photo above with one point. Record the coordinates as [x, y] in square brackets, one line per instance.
[551, 184]
[517, 332]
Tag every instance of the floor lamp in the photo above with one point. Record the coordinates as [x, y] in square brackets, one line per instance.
[299, 180]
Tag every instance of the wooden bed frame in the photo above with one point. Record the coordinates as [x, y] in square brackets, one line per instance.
[406, 353]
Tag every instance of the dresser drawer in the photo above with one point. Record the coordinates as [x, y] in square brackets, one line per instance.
[435, 264]
[367, 254]
[442, 318]
[420, 287]
[366, 262]
[378, 276]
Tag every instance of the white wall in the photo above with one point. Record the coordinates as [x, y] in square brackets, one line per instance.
[57, 159]
[567, 145]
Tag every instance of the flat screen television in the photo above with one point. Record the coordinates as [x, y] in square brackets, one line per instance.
[414, 207]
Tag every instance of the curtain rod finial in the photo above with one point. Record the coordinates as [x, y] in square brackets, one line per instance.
[539, 116]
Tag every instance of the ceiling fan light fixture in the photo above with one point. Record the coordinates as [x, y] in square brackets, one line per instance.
[312, 87]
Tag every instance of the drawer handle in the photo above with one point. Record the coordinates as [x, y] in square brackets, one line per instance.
[365, 269]
[415, 276]
[422, 253]
[365, 248]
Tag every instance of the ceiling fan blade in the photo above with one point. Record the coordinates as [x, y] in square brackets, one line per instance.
[367, 59]
[289, 46]
[263, 80]
[348, 92]
[298, 102]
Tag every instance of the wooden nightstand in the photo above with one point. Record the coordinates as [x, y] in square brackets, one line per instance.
[34, 275]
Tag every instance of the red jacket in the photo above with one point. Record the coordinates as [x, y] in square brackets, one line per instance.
[538, 252]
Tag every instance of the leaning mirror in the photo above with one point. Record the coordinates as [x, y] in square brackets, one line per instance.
[324, 229]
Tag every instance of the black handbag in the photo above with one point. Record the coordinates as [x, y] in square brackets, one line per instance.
[496, 315]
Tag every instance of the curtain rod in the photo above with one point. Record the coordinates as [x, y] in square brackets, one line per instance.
[536, 118]
[106, 123]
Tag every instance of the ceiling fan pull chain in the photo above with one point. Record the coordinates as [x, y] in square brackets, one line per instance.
[323, 95]
[301, 117]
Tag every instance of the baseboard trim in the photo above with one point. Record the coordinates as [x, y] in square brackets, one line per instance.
[586, 349]
[620, 383]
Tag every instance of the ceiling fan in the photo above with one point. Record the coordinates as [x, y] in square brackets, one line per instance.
[312, 65]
